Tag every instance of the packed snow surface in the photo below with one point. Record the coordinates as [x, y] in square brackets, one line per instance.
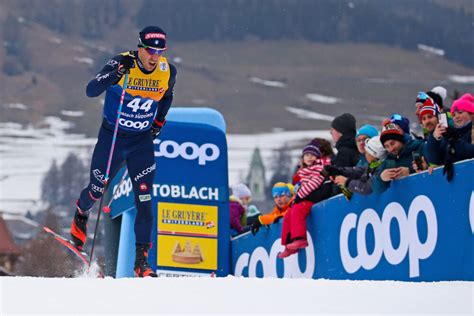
[230, 296]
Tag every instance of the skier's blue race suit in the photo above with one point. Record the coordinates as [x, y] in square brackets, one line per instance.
[148, 97]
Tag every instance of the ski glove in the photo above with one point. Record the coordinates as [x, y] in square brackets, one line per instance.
[256, 227]
[156, 127]
[127, 62]
[332, 170]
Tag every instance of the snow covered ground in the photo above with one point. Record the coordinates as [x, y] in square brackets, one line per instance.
[230, 296]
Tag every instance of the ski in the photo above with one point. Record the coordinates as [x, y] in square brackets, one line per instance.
[70, 245]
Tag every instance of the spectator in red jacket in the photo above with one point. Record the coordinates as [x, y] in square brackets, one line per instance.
[293, 235]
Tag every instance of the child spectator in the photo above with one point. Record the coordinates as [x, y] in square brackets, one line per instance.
[282, 197]
[398, 164]
[447, 145]
[365, 132]
[309, 176]
[359, 179]
[239, 201]
[343, 130]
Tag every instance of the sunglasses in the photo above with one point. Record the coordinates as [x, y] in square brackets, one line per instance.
[153, 50]
[396, 117]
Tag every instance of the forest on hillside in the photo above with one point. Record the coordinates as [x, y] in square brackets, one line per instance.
[401, 23]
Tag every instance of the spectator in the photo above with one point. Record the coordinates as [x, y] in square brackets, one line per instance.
[359, 179]
[282, 197]
[447, 145]
[437, 95]
[398, 164]
[293, 235]
[343, 130]
[327, 154]
[239, 201]
[365, 132]
[428, 116]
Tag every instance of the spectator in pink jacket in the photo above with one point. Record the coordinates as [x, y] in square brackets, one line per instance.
[238, 203]
[309, 177]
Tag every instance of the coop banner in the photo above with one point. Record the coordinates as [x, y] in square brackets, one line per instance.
[421, 229]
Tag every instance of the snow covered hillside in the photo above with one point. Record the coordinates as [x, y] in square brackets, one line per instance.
[230, 296]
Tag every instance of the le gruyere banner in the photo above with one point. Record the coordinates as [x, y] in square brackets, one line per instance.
[187, 252]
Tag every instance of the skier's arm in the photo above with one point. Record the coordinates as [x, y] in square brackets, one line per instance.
[107, 77]
[165, 103]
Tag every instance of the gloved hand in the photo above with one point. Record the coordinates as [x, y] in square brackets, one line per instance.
[127, 62]
[156, 127]
[332, 171]
[256, 227]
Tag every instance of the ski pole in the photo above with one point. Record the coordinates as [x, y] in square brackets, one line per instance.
[109, 163]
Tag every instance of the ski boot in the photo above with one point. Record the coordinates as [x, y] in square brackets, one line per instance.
[142, 268]
[79, 229]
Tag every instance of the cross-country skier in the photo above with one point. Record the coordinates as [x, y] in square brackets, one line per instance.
[148, 97]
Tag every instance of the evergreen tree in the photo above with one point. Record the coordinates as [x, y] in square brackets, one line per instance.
[50, 185]
[282, 165]
[72, 179]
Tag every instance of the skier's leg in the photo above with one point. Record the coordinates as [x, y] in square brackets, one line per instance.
[141, 167]
[95, 188]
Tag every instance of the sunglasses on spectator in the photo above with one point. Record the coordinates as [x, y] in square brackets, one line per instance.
[396, 117]
[153, 50]
[421, 98]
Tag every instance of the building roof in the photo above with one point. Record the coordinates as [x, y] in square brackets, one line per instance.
[7, 245]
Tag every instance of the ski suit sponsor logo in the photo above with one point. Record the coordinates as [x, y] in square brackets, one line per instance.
[96, 188]
[98, 175]
[155, 35]
[268, 262]
[187, 150]
[144, 197]
[181, 191]
[124, 189]
[410, 242]
[144, 172]
[133, 124]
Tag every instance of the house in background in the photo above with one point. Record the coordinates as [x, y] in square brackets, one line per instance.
[9, 251]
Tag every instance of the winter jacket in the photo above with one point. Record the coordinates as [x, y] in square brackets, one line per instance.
[237, 212]
[403, 159]
[310, 178]
[347, 153]
[360, 178]
[277, 212]
[362, 161]
[460, 139]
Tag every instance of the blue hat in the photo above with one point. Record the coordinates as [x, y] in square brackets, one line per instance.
[313, 148]
[281, 188]
[367, 130]
[401, 121]
[152, 36]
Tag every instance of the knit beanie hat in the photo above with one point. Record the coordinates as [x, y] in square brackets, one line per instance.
[375, 148]
[367, 130]
[464, 103]
[240, 190]
[438, 94]
[281, 188]
[402, 122]
[344, 123]
[313, 148]
[391, 131]
[428, 107]
[152, 36]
